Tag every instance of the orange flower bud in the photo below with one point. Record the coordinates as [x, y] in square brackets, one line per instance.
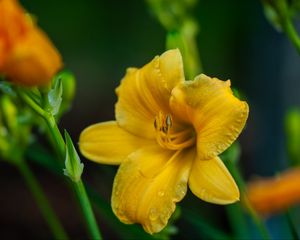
[27, 56]
[275, 194]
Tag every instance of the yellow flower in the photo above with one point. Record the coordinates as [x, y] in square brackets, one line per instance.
[275, 194]
[168, 134]
[27, 56]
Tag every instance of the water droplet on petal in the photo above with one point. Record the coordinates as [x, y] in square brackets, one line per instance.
[180, 190]
[153, 214]
[117, 191]
[120, 212]
[202, 193]
[161, 193]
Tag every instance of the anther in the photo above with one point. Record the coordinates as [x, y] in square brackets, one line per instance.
[169, 121]
[155, 124]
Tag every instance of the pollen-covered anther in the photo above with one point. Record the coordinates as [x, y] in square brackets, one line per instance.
[170, 138]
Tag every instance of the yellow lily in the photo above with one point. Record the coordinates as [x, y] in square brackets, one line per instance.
[167, 135]
[27, 56]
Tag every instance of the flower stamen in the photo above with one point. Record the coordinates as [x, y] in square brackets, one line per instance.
[167, 137]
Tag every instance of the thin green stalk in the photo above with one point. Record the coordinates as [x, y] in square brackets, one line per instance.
[42, 201]
[237, 220]
[100, 204]
[202, 227]
[291, 32]
[253, 214]
[287, 24]
[58, 139]
[79, 187]
[87, 210]
[292, 225]
[60, 147]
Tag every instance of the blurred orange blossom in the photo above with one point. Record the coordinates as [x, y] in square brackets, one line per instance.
[271, 195]
[27, 56]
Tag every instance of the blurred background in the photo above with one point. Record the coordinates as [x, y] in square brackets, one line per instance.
[99, 39]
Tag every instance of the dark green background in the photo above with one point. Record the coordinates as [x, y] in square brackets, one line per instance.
[100, 39]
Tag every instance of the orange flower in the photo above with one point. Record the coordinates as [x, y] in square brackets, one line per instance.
[275, 194]
[27, 56]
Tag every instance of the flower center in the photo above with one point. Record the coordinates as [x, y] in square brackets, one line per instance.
[168, 136]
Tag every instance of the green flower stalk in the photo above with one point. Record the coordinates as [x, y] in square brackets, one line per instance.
[47, 105]
[182, 30]
[42, 201]
[280, 14]
[14, 139]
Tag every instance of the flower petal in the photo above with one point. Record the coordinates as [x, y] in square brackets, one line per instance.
[33, 61]
[28, 57]
[148, 184]
[276, 194]
[218, 117]
[108, 143]
[146, 91]
[211, 181]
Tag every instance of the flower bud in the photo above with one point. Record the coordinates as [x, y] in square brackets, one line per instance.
[9, 111]
[69, 86]
[27, 55]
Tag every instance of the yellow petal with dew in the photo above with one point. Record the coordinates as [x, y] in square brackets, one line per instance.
[108, 143]
[211, 181]
[148, 184]
[216, 114]
[145, 92]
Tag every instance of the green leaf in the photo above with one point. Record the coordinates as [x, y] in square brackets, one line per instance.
[73, 166]
[272, 15]
[232, 154]
[33, 93]
[69, 85]
[55, 96]
[203, 229]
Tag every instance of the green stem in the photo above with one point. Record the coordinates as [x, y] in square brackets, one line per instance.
[203, 228]
[253, 214]
[60, 147]
[291, 32]
[87, 210]
[287, 24]
[58, 139]
[42, 201]
[237, 221]
[79, 187]
[292, 225]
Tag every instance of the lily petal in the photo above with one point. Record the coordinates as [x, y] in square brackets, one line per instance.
[146, 91]
[148, 184]
[216, 114]
[211, 181]
[108, 143]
